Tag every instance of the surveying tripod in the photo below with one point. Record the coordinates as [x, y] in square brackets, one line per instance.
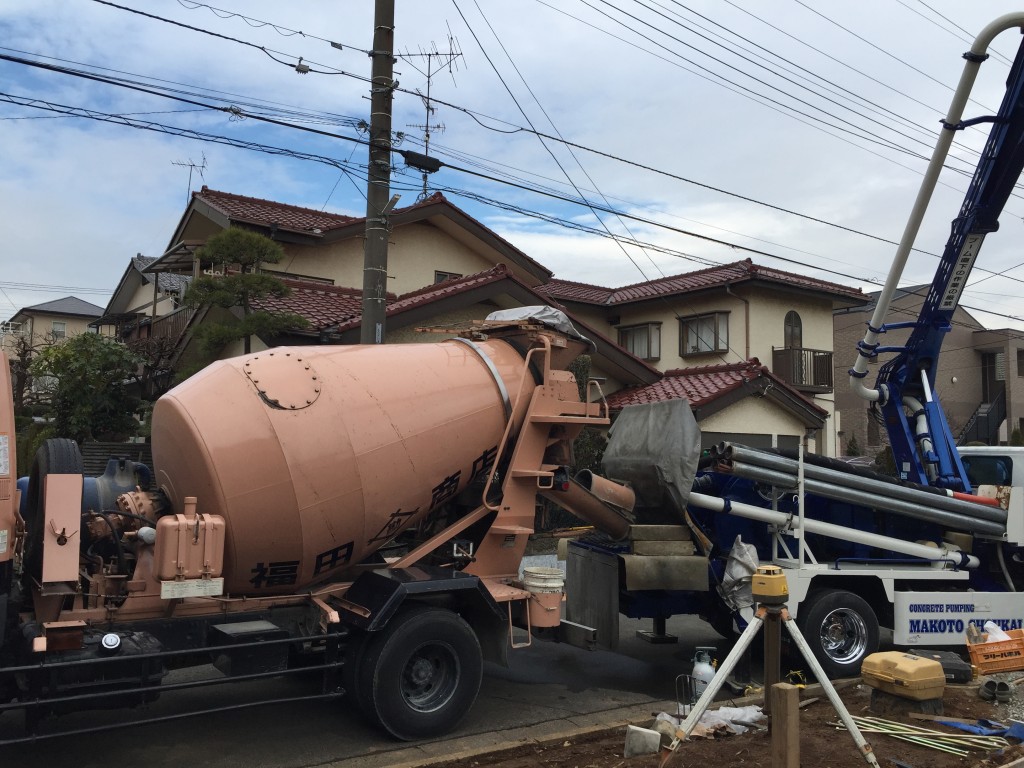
[770, 592]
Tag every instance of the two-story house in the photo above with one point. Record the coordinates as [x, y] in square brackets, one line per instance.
[444, 269]
[713, 328]
[50, 322]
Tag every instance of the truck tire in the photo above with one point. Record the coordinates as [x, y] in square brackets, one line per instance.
[418, 677]
[57, 456]
[841, 629]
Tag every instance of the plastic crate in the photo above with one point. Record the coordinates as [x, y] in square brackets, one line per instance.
[1000, 656]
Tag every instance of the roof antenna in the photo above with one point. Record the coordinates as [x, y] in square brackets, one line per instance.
[437, 61]
[191, 168]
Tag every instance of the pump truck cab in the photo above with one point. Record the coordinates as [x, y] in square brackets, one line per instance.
[357, 511]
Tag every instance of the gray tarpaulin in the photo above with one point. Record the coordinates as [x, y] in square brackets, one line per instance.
[655, 448]
[549, 316]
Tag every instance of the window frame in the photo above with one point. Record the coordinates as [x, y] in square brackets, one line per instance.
[441, 276]
[791, 328]
[653, 329]
[63, 330]
[721, 342]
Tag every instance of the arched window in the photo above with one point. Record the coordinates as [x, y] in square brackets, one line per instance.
[794, 332]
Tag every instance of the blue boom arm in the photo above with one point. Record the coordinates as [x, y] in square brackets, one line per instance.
[922, 444]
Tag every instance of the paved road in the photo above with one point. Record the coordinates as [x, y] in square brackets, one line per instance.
[547, 690]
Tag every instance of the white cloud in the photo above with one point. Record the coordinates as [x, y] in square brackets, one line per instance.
[80, 198]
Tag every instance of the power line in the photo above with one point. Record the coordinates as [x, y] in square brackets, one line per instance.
[257, 23]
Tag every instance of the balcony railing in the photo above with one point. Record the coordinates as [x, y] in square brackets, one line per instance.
[809, 370]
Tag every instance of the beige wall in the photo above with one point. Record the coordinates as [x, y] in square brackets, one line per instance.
[415, 251]
[767, 313]
[142, 302]
[754, 416]
[40, 328]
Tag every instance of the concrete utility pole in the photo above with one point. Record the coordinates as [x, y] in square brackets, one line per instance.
[378, 192]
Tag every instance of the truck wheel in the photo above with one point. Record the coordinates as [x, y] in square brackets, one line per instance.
[57, 456]
[419, 675]
[841, 629]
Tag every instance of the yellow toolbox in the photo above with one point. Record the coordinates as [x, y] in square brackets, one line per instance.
[904, 675]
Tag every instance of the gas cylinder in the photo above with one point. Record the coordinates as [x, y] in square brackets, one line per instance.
[703, 669]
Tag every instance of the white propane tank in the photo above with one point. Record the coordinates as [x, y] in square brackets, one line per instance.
[703, 670]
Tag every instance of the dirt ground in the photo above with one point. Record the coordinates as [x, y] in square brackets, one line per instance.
[822, 745]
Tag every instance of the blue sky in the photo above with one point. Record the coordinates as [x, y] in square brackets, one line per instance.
[646, 81]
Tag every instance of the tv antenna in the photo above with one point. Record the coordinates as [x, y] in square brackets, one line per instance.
[192, 168]
[436, 62]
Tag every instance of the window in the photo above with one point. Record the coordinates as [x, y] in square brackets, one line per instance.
[988, 470]
[440, 277]
[58, 329]
[644, 341]
[794, 331]
[704, 333]
[1020, 362]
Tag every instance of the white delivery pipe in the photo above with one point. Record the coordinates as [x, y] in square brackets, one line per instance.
[931, 178]
[939, 554]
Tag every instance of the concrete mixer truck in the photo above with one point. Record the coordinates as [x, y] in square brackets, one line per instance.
[359, 512]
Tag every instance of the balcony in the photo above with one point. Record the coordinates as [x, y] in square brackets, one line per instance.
[809, 370]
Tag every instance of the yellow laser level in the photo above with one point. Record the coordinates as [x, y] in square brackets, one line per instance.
[769, 585]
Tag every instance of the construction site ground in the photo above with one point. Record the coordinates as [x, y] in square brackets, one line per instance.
[822, 743]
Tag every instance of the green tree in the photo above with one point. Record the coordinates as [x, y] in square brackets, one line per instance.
[240, 254]
[87, 380]
[853, 447]
[1016, 438]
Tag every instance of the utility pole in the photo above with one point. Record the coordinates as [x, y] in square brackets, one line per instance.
[378, 205]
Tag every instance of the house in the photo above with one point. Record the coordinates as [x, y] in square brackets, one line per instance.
[735, 402]
[141, 297]
[979, 380]
[447, 269]
[444, 267]
[728, 315]
[431, 241]
[51, 321]
[33, 327]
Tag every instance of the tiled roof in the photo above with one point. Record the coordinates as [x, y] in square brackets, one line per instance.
[726, 274]
[581, 292]
[320, 304]
[341, 308]
[69, 305]
[269, 213]
[167, 282]
[700, 385]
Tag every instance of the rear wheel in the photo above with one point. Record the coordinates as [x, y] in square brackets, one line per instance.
[419, 676]
[57, 456]
[841, 629]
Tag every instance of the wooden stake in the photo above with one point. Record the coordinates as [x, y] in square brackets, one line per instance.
[785, 726]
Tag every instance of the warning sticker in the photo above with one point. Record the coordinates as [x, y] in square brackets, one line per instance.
[3, 541]
[5, 455]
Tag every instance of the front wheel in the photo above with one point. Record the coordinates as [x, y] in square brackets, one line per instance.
[841, 629]
[419, 675]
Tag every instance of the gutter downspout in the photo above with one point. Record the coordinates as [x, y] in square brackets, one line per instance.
[746, 322]
[974, 58]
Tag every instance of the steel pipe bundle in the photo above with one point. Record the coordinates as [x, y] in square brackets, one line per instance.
[863, 491]
[938, 555]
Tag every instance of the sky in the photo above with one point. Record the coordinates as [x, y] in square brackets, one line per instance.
[791, 132]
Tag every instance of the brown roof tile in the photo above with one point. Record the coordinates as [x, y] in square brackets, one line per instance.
[320, 304]
[700, 385]
[269, 213]
[726, 274]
